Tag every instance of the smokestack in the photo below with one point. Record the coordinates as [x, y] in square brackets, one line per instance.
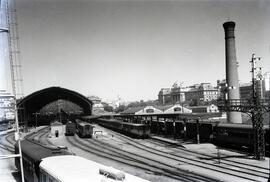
[231, 70]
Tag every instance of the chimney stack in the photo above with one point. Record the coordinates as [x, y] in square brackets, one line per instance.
[231, 70]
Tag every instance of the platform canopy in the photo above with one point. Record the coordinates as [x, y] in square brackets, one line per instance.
[37, 100]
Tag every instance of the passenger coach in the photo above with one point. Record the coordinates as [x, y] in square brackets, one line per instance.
[77, 169]
[85, 130]
[54, 164]
[33, 153]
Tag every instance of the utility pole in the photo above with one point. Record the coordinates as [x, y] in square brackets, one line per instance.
[254, 107]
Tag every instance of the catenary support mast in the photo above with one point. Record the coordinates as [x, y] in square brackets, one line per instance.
[10, 53]
[255, 107]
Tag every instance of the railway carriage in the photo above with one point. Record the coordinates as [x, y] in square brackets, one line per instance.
[238, 135]
[54, 164]
[191, 128]
[205, 130]
[158, 127]
[136, 130]
[168, 127]
[74, 168]
[180, 129]
[85, 130]
[111, 123]
[70, 128]
[131, 129]
[33, 153]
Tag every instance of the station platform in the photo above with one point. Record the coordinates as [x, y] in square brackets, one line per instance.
[177, 142]
[193, 146]
[167, 140]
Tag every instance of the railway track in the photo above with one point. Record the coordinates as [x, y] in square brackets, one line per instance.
[8, 140]
[154, 159]
[131, 159]
[235, 169]
[5, 142]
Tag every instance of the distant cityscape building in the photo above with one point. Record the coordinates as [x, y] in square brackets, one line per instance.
[262, 85]
[203, 92]
[6, 106]
[116, 102]
[221, 86]
[164, 96]
[180, 94]
[246, 90]
[96, 102]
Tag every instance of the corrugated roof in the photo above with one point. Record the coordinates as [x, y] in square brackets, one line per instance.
[163, 108]
[133, 110]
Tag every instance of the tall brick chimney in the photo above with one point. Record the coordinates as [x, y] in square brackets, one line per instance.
[231, 70]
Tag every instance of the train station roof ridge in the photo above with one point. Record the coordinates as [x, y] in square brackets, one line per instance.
[56, 123]
[36, 100]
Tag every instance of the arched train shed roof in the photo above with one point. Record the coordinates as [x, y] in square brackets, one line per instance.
[35, 101]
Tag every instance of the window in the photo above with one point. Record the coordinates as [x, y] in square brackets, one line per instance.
[149, 110]
[177, 109]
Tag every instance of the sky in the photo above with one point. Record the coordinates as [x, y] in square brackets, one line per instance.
[132, 49]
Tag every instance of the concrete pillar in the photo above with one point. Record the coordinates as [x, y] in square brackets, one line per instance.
[231, 70]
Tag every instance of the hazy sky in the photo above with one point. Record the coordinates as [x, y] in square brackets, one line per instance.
[134, 48]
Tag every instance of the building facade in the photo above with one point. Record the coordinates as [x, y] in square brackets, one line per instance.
[203, 92]
[164, 96]
[6, 106]
[57, 129]
[178, 94]
[97, 105]
[262, 86]
[196, 93]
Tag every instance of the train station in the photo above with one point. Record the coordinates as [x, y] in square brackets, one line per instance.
[60, 121]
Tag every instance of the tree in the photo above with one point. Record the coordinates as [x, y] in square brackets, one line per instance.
[120, 108]
[108, 108]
